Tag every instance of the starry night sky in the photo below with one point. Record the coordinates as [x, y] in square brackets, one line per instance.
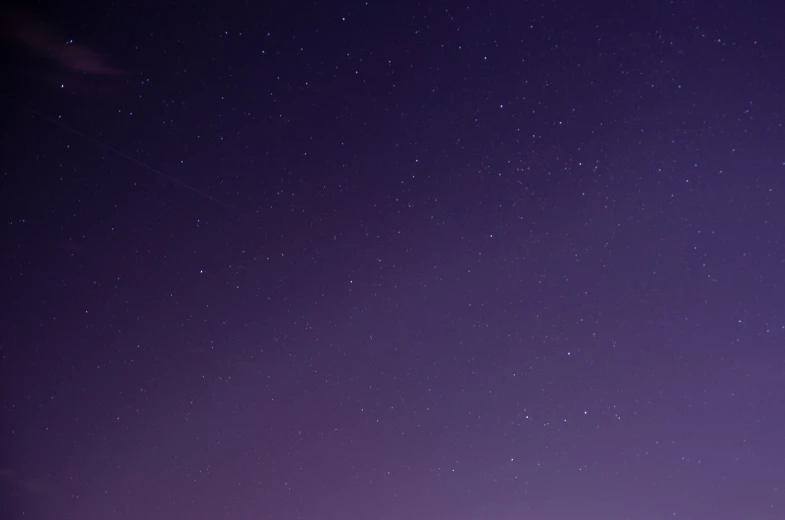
[496, 260]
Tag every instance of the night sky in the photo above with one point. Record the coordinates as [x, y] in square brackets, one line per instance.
[497, 260]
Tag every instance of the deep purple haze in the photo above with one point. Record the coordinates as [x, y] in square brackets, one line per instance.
[497, 260]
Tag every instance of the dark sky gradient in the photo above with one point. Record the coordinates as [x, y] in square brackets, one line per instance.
[393, 261]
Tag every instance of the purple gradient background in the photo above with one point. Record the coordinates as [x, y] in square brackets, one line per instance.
[496, 260]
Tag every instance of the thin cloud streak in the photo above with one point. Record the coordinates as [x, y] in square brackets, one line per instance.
[41, 40]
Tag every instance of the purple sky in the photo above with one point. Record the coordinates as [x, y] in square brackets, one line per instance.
[393, 261]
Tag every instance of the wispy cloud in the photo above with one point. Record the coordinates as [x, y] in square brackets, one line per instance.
[42, 40]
